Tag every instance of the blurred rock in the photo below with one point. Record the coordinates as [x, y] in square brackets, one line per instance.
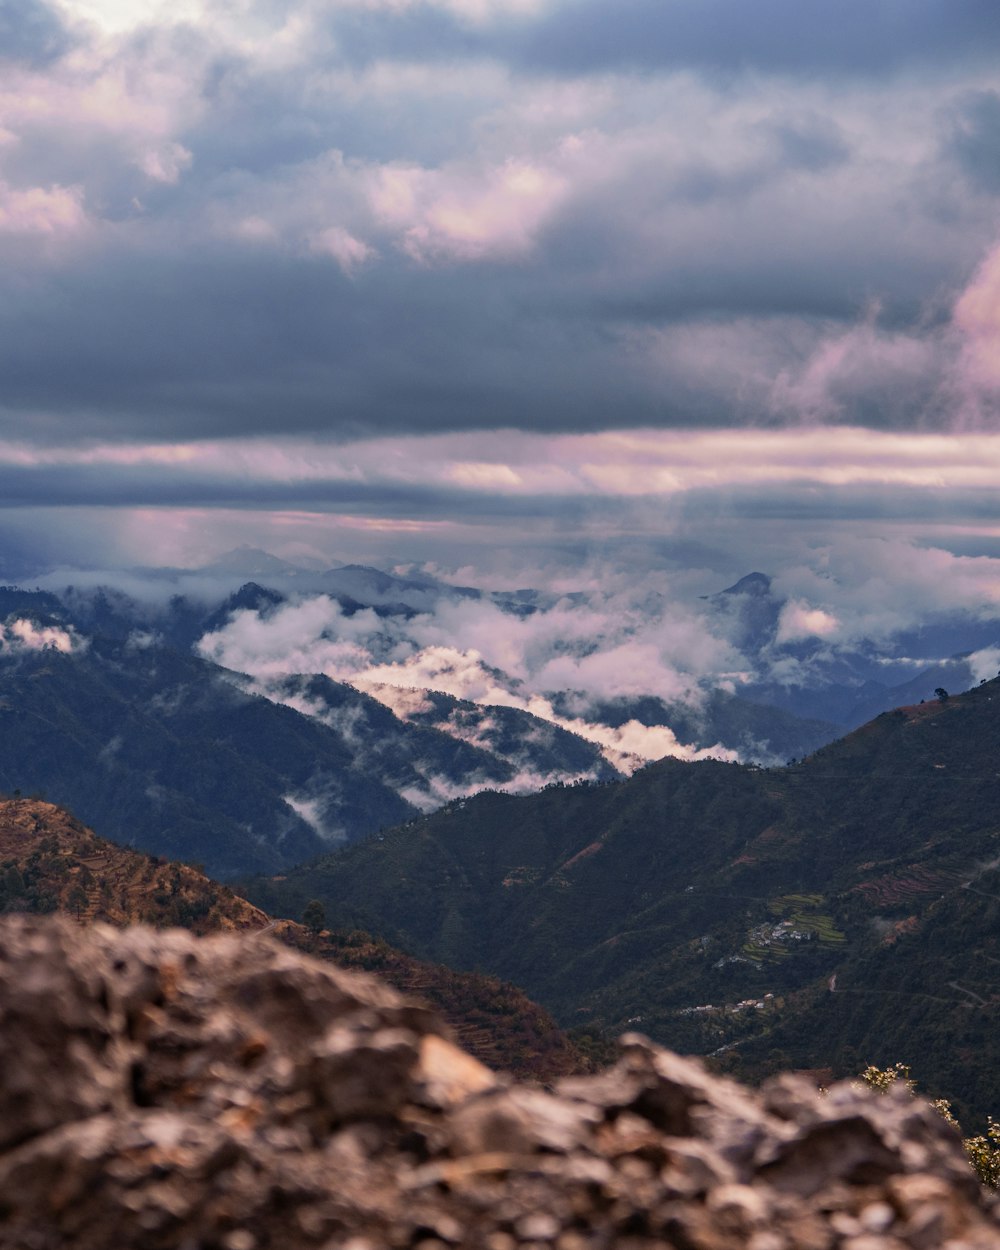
[164, 1091]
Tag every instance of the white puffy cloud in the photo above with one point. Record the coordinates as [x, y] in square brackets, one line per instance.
[604, 645]
[466, 214]
[21, 635]
[799, 620]
[48, 212]
[310, 636]
[977, 318]
[349, 253]
[852, 588]
[985, 664]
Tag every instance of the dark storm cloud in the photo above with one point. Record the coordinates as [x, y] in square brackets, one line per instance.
[220, 235]
[31, 32]
[104, 486]
[228, 342]
[809, 503]
[976, 140]
[840, 37]
[843, 37]
[287, 348]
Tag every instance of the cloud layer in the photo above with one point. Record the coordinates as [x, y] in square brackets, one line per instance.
[854, 611]
[375, 217]
[660, 284]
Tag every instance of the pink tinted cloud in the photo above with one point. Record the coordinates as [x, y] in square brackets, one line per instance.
[461, 213]
[49, 212]
[622, 463]
[977, 317]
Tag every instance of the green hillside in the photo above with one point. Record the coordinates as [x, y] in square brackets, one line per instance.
[50, 862]
[712, 905]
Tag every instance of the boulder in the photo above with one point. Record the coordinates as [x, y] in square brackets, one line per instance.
[160, 1091]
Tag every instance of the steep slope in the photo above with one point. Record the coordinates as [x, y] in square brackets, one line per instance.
[152, 744]
[759, 732]
[715, 904]
[421, 763]
[50, 862]
[536, 750]
[162, 750]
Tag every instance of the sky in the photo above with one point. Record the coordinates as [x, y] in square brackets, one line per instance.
[506, 287]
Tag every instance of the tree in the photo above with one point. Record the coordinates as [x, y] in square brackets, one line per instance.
[77, 900]
[314, 916]
[12, 884]
[982, 1151]
[942, 694]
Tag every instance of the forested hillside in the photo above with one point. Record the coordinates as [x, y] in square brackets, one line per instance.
[50, 862]
[823, 915]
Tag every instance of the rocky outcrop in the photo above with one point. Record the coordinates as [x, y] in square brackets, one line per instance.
[225, 1093]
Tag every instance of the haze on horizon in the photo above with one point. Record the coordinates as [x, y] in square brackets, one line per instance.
[530, 292]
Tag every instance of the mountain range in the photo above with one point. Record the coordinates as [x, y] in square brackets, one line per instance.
[128, 709]
[778, 694]
[823, 914]
[163, 749]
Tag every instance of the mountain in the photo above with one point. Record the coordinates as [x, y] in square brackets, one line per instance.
[757, 732]
[841, 683]
[50, 862]
[780, 691]
[753, 610]
[538, 751]
[827, 914]
[372, 587]
[164, 749]
[246, 563]
[427, 759]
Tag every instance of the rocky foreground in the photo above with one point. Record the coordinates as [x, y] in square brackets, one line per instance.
[227, 1093]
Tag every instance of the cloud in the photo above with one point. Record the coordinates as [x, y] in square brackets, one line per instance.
[456, 279]
[349, 253]
[32, 32]
[464, 675]
[21, 635]
[466, 215]
[798, 620]
[511, 477]
[312, 809]
[633, 744]
[459, 229]
[844, 38]
[975, 141]
[985, 664]
[49, 212]
[852, 589]
[603, 645]
[313, 636]
[977, 317]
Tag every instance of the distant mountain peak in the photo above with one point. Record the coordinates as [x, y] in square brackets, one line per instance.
[248, 561]
[752, 584]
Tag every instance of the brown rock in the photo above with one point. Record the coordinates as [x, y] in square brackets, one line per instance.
[160, 1091]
